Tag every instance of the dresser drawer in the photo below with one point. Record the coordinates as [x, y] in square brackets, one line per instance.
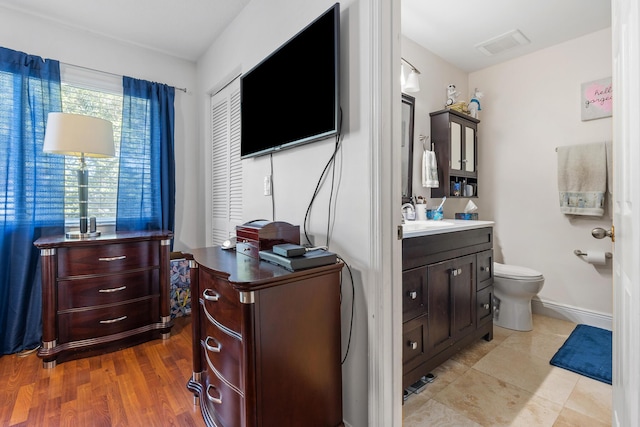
[485, 305]
[485, 269]
[107, 289]
[224, 402]
[79, 324]
[223, 352]
[414, 341]
[221, 301]
[414, 293]
[100, 259]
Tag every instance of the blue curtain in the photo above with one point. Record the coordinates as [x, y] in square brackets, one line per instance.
[31, 192]
[146, 186]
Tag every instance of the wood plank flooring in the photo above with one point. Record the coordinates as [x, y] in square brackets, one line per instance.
[143, 385]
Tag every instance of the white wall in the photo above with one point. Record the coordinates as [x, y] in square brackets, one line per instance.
[531, 106]
[436, 75]
[261, 28]
[36, 36]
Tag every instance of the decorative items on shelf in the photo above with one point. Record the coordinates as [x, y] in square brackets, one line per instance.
[474, 104]
[452, 100]
[452, 95]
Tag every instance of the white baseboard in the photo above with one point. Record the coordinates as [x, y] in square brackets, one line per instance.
[572, 314]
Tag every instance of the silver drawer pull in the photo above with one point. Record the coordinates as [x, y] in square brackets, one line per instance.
[211, 348]
[113, 258]
[106, 291]
[212, 399]
[119, 319]
[209, 295]
[485, 306]
[413, 295]
[413, 345]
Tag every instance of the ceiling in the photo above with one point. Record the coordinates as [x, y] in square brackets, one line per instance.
[452, 28]
[180, 28]
[448, 28]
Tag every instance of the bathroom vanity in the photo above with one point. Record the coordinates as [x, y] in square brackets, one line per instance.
[447, 286]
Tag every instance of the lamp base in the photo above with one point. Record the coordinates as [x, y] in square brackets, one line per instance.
[79, 235]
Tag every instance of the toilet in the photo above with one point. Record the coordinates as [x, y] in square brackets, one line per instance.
[513, 288]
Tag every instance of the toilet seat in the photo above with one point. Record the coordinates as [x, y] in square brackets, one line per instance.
[515, 272]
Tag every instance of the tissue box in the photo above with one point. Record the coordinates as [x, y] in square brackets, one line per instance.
[462, 215]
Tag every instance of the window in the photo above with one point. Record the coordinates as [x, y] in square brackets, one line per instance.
[95, 94]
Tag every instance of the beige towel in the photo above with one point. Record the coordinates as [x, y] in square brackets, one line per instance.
[582, 179]
[429, 170]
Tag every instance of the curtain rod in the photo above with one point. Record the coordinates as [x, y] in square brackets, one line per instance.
[183, 89]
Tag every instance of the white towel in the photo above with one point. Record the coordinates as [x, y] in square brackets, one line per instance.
[429, 170]
[582, 179]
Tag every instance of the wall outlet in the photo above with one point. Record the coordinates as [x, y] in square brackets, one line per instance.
[267, 185]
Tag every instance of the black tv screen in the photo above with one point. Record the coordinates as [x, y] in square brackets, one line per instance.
[291, 97]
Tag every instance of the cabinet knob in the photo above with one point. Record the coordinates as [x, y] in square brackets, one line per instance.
[413, 295]
[413, 345]
[483, 268]
[456, 271]
[485, 306]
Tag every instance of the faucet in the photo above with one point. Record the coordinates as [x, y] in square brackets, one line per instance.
[408, 212]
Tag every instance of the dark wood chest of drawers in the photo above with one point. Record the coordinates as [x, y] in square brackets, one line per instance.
[266, 342]
[103, 294]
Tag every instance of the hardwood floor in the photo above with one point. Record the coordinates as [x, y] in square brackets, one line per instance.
[143, 385]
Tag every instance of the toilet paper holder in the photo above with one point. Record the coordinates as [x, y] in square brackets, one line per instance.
[578, 252]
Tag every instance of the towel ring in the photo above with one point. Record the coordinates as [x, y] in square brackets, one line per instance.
[423, 139]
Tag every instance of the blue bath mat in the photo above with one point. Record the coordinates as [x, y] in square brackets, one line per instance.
[587, 352]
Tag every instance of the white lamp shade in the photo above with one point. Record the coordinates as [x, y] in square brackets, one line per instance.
[75, 134]
[412, 84]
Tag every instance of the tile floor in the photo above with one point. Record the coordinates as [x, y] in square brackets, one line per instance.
[509, 382]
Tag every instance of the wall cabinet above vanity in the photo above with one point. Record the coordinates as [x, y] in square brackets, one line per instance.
[455, 139]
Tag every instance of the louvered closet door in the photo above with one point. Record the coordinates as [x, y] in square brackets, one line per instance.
[226, 166]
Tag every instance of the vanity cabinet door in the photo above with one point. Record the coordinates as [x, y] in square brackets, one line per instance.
[451, 301]
[456, 143]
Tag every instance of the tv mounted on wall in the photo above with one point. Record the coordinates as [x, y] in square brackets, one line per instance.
[292, 96]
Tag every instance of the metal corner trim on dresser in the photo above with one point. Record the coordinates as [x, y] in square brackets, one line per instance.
[104, 293]
[255, 328]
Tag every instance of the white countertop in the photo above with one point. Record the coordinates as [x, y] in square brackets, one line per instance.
[429, 227]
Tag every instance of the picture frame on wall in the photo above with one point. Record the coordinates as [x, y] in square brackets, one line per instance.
[596, 99]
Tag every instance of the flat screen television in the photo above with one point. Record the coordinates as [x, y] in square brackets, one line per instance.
[292, 96]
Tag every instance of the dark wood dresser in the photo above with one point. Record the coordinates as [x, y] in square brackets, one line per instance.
[102, 294]
[266, 342]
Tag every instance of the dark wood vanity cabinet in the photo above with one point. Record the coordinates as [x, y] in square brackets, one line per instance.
[455, 139]
[447, 283]
[104, 293]
[266, 342]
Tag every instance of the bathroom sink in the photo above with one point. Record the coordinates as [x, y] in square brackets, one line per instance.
[425, 225]
[424, 228]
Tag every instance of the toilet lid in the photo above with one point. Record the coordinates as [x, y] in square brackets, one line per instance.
[515, 272]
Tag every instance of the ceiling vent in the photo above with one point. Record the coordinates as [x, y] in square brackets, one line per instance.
[506, 41]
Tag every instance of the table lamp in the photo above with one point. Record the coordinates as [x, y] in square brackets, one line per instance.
[82, 136]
